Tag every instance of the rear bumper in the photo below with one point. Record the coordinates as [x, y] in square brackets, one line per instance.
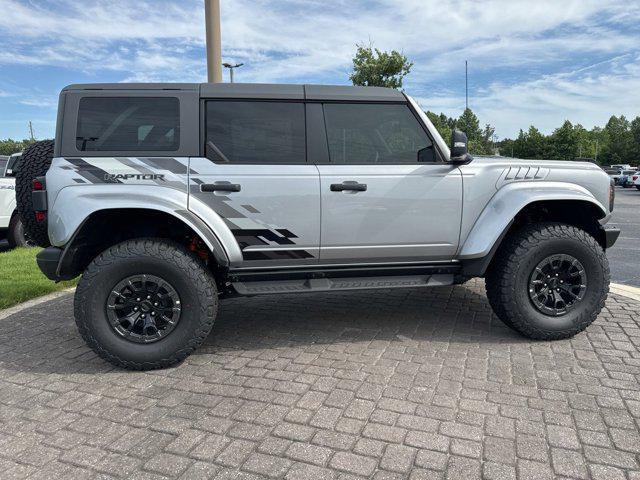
[611, 234]
[48, 261]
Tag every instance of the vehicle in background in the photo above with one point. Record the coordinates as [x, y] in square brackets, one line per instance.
[636, 180]
[625, 166]
[625, 178]
[614, 174]
[11, 227]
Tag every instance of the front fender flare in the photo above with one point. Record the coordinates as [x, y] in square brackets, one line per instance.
[503, 207]
[74, 205]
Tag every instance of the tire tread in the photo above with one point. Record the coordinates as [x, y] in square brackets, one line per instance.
[169, 251]
[499, 280]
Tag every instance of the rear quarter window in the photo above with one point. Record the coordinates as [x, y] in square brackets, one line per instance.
[121, 124]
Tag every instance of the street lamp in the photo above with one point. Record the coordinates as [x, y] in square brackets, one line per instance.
[231, 68]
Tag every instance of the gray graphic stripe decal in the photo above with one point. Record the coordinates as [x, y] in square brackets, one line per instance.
[165, 163]
[90, 172]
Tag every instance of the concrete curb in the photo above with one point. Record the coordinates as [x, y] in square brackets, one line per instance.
[36, 301]
[625, 291]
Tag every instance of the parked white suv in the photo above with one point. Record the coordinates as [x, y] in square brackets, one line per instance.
[11, 227]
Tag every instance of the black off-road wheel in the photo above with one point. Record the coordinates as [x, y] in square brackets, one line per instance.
[548, 281]
[17, 237]
[145, 304]
[35, 162]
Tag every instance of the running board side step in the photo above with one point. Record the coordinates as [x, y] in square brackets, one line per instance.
[315, 280]
[332, 284]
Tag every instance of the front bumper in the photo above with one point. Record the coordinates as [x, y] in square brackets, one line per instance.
[48, 261]
[611, 234]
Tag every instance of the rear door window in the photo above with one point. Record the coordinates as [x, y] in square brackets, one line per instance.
[121, 124]
[257, 132]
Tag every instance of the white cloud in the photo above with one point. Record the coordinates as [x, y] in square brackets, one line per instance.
[588, 96]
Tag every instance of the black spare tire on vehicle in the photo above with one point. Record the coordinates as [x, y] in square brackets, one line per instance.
[35, 162]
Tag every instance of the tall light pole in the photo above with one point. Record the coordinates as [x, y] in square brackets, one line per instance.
[231, 69]
[214, 40]
[466, 85]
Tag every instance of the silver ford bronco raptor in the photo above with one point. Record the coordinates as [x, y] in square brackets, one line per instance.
[167, 197]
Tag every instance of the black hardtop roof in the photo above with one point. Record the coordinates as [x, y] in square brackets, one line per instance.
[258, 90]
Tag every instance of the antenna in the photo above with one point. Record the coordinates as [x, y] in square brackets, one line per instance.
[31, 131]
[466, 85]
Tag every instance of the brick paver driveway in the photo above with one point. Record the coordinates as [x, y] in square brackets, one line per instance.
[388, 384]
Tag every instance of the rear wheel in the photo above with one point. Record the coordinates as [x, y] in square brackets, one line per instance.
[548, 281]
[145, 304]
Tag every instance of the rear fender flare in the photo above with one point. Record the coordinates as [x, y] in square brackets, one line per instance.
[74, 205]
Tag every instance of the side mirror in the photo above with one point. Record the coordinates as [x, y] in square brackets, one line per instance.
[459, 150]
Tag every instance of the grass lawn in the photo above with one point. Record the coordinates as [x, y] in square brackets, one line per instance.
[21, 279]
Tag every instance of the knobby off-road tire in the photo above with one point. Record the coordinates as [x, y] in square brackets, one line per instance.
[158, 258]
[508, 280]
[16, 236]
[35, 162]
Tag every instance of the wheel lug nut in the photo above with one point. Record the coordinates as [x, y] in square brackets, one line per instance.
[153, 314]
[138, 299]
[149, 296]
[135, 309]
[155, 304]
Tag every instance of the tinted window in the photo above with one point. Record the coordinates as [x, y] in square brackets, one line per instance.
[257, 132]
[128, 124]
[368, 133]
[3, 165]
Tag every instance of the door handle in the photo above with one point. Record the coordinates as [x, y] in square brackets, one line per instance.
[348, 187]
[220, 187]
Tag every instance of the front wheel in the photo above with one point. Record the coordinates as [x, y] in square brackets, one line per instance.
[145, 304]
[548, 281]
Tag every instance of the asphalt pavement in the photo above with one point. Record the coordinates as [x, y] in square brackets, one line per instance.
[624, 257]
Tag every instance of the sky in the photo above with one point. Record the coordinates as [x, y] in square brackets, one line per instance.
[530, 62]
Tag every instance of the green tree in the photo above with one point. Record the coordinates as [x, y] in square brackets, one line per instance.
[564, 142]
[374, 68]
[531, 144]
[635, 135]
[10, 146]
[619, 147]
[442, 124]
